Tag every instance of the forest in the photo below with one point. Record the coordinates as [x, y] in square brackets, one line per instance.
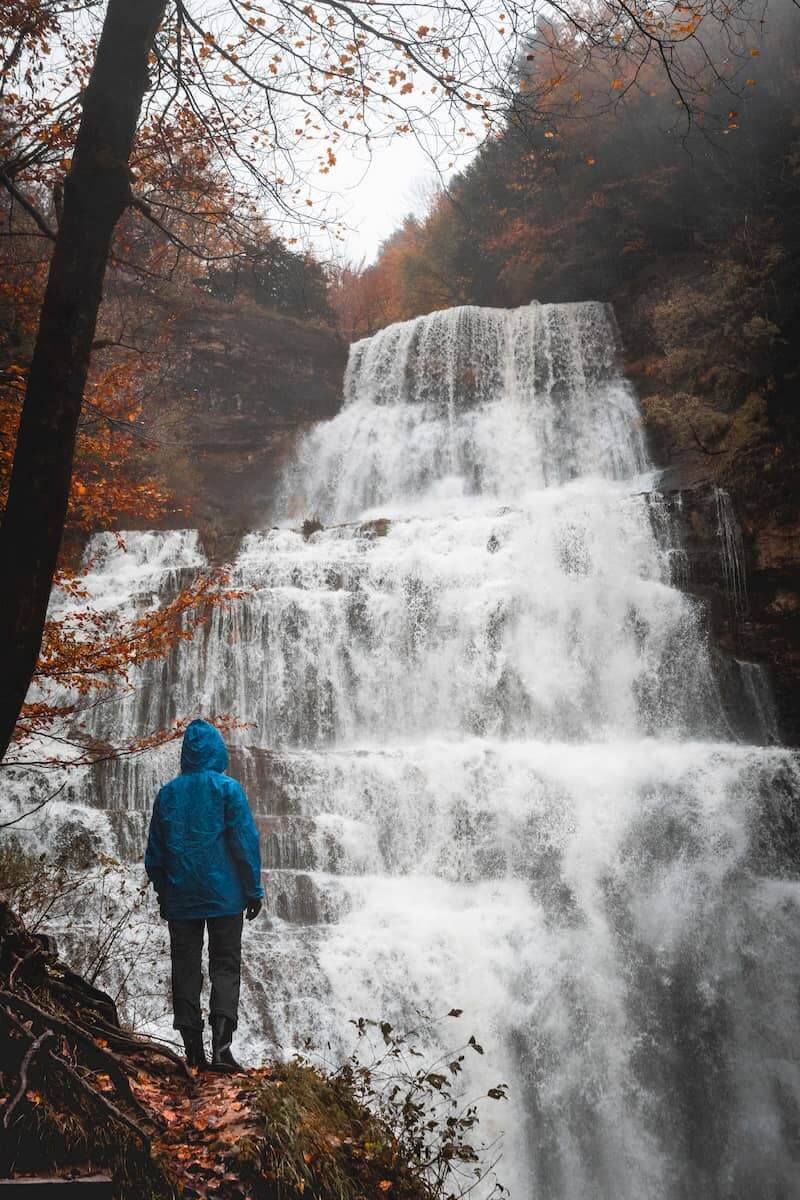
[479, 549]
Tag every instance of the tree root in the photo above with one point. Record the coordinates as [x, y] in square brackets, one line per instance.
[30, 1054]
[116, 1067]
[82, 1083]
[97, 1029]
[102, 1100]
[83, 993]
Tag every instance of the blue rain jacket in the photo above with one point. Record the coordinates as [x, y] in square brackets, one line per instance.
[203, 854]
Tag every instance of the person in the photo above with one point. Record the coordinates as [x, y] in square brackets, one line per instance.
[204, 861]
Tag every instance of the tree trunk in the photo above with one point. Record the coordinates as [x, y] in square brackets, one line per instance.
[96, 193]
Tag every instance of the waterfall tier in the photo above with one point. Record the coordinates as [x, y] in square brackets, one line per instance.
[472, 402]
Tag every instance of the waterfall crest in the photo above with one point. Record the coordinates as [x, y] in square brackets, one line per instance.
[472, 402]
[492, 766]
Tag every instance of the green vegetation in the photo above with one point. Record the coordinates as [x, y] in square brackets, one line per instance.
[377, 1124]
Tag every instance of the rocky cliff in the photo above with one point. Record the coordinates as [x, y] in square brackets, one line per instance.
[716, 381]
[240, 384]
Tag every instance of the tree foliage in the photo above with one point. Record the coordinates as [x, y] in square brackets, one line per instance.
[275, 277]
[600, 172]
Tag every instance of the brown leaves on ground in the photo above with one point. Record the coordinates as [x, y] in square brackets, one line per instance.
[200, 1121]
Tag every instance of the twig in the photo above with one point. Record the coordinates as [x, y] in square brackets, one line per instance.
[21, 962]
[30, 1054]
[23, 202]
[31, 811]
[705, 449]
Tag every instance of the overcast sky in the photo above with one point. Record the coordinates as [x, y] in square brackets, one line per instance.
[377, 196]
[373, 197]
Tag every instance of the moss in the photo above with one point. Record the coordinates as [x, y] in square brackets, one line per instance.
[18, 867]
[319, 1139]
[310, 526]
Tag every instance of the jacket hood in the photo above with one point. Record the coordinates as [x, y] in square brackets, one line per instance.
[203, 748]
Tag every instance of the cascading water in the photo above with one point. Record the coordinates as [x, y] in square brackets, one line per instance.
[731, 553]
[492, 767]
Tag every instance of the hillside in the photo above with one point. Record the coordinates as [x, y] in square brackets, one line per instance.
[242, 382]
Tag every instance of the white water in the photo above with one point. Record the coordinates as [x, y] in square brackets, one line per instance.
[492, 766]
[731, 553]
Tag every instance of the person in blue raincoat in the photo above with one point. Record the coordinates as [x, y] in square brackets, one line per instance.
[204, 861]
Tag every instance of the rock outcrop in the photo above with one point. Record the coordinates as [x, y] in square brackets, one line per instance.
[717, 392]
[240, 385]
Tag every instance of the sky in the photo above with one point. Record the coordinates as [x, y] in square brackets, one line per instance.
[377, 196]
[374, 187]
[373, 197]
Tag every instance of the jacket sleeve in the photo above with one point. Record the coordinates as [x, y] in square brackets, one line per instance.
[242, 835]
[154, 858]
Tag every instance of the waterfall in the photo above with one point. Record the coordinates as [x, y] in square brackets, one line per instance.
[731, 553]
[489, 756]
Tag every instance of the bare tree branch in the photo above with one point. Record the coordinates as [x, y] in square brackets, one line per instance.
[28, 206]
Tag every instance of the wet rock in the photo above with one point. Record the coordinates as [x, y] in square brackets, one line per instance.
[375, 529]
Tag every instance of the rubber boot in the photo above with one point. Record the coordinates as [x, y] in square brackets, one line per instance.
[221, 1037]
[195, 1051]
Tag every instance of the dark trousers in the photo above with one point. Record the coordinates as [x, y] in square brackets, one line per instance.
[224, 967]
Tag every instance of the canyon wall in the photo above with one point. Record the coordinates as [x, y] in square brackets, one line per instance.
[717, 397]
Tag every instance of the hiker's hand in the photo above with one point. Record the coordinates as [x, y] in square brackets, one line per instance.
[253, 909]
